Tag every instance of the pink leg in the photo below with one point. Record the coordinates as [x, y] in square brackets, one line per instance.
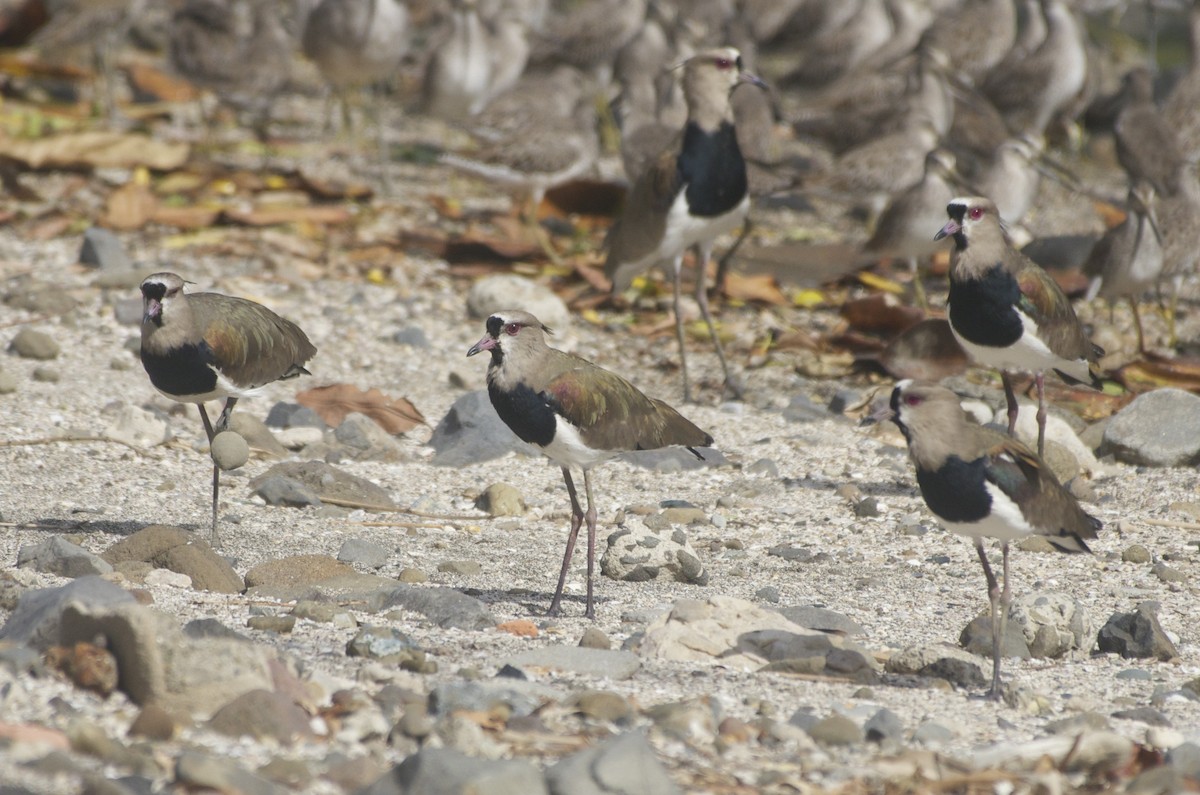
[576, 522]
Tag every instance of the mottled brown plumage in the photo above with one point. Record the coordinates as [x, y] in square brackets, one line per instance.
[206, 346]
[579, 414]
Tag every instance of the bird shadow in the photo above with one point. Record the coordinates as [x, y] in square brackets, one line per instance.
[536, 602]
[58, 525]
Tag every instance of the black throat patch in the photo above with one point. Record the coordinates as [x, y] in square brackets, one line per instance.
[182, 372]
[957, 490]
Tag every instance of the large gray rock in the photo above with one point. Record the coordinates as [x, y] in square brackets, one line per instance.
[510, 291]
[1137, 634]
[622, 765]
[520, 696]
[1052, 623]
[636, 553]
[472, 432]
[329, 482]
[445, 607]
[940, 661]
[159, 664]
[37, 618]
[364, 439]
[1159, 428]
[57, 555]
[445, 771]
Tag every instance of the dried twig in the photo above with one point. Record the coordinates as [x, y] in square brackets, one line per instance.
[1171, 524]
[53, 439]
[398, 523]
[366, 506]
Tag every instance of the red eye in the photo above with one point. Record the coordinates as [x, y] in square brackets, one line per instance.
[723, 63]
[976, 213]
[912, 400]
[512, 329]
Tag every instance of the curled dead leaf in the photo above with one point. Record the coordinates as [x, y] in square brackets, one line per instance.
[96, 149]
[332, 403]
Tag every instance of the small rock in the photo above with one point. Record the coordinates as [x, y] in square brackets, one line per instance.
[31, 344]
[446, 770]
[508, 290]
[322, 480]
[1186, 759]
[763, 466]
[365, 439]
[444, 607]
[8, 383]
[1077, 724]
[1036, 543]
[822, 619]
[36, 620]
[229, 450]
[932, 732]
[386, 644]
[1134, 674]
[1168, 574]
[1137, 634]
[1160, 428]
[604, 705]
[594, 638]
[415, 723]
[46, 375]
[579, 660]
[836, 730]
[768, 593]
[256, 434]
[501, 499]
[154, 723]
[285, 492]
[472, 432]
[623, 764]
[138, 427]
[801, 409]
[955, 665]
[363, 552]
[464, 568]
[411, 575]
[59, 556]
[296, 570]
[1135, 553]
[293, 415]
[262, 714]
[102, 249]
[198, 772]
[637, 553]
[884, 726]
[278, 624]
[413, 337]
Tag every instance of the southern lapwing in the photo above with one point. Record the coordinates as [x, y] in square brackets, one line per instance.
[579, 414]
[1007, 313]
[983, 484]
[204, 346]
[694, 191]
[1128, 259]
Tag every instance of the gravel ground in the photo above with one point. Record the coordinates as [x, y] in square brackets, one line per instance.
[903, 589]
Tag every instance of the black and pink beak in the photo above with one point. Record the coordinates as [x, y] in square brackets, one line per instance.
[952, 227]
[486, 344]
[152, 309]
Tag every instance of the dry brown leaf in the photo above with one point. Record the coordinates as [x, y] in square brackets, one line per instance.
[185, 217]
[96, 149]
[334, 402]
[1155, 371]
[757, 287]
[880, 313]
[161, 85]
[333, 189]
[130, 207]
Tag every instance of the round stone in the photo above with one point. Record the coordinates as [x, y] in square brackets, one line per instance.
[229, 450]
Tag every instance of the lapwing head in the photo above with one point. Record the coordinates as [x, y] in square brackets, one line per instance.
[921, 407]
[968, 215]
[716, 73]
[512, 335]
[160, 291]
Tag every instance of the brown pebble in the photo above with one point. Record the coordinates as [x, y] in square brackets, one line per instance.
[595, 639]
[411, 575]
[733, 730]
[153, 723]
[603, 705]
